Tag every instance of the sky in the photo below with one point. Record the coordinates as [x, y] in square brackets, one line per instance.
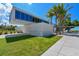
[37, 9]
[5, 9]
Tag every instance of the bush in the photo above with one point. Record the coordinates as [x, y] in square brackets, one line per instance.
[9, 32]
[0, 32]
[19, 32]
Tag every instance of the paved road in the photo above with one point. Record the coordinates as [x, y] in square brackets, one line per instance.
[67, 46]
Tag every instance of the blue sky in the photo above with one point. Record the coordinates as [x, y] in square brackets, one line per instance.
[41, 9]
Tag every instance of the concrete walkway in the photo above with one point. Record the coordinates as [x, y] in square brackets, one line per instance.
[67, 46]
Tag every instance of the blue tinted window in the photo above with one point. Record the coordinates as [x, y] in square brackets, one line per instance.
[30, 18]
[26, 17]
[23, 16]
[17, 14]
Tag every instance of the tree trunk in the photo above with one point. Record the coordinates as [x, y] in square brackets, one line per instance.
[57, 28]
[52, 24]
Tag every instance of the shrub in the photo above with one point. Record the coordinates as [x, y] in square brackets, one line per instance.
[0, 32]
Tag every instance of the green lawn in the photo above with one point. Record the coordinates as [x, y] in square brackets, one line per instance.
[26, 45]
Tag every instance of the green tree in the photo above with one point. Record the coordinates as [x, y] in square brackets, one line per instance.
[61, 13]
[71, 24]
[68, 24]
[75, 23]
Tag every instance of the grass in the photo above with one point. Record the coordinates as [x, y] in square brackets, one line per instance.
[26, 45]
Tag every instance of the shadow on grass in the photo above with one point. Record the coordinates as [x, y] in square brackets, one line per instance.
[50, 36]
[17, 38]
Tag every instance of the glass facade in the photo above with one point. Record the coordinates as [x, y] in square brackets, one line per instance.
[17, 14]
[23, 16]
[26, 17]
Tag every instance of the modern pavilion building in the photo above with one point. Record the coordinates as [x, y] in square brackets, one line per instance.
[32, 25]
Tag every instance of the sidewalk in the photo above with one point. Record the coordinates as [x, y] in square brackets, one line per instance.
[67, 46]
[2, 36]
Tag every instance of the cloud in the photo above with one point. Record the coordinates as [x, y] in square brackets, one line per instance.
[7, 6]
[5, 9]
[30, 3]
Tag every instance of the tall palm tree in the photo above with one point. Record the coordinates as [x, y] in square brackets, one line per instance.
[61, 14]
[53, 12]
[50, 16]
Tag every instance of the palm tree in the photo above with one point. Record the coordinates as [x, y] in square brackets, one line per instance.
[50, 16]
[61, 14]
[53, 12]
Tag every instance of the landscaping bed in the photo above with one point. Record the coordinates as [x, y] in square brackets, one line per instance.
[26, 45]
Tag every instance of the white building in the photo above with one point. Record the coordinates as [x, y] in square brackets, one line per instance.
[32, 25]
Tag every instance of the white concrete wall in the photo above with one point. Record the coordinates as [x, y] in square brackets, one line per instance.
[12, 16]
[38, 29]
[47, 29]
[35, 29]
